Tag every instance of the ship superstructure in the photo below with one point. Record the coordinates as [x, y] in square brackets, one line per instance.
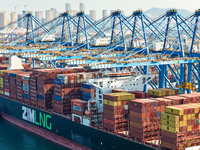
[125, 80]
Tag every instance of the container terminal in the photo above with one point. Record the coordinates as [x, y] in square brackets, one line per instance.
[122, 82]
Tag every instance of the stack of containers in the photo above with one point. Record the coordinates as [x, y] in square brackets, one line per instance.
[67, 87]
[115, 113]
[19, 86]
[2, 81]
[13, 88]
[88, 91]
[33, 88]
[6, 83]
[78, 110]
[45, 86]
[145, 119]
[180, 126]
[10, 88]
[26, 89]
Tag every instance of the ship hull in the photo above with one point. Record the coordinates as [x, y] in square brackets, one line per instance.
[61, 130]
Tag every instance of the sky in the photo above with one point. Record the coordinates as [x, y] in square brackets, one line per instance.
[126, 5]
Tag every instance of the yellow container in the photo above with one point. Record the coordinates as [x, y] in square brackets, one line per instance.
[170, 117]
[174, 110]
[170, 123]
[185, 117]
[170, 129]
[111, 103]
[156, 92]
[189, 117]
[123, 96]
[189, 128]
[171, 92]
[182, 123]
[2, 71]
[1, 92]
[189, 144]
[192, 116]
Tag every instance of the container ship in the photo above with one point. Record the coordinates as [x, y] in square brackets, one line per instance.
[93, 109]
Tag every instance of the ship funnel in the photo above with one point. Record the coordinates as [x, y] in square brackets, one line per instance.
[15, 63]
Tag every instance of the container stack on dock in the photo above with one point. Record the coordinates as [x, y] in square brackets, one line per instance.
[180, 126]
[115, 113]
[145, 119]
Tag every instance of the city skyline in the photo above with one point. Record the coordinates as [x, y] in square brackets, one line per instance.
[129, 6]
[45, 15]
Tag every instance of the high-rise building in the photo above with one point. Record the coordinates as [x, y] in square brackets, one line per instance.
[24, 24]
[55, 12]
[19, 16]
[39, 16]
[82, 7]
[3, 19]
[13, 16]
[51, 14]
[104, 14]
[93, 14]
[68, 7]
[48, 15]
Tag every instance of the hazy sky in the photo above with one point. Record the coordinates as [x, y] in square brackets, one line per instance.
[127, 5]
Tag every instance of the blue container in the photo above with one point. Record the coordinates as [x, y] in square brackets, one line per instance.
[41, 97]
[25, 87]
[87, 86]
[87, 94]
[26, 78]
[26, 96]
[159, 114]
[13, 75]
[58, 81]
[86, 98]
[58, 98]
[126, 116]
[77, 108]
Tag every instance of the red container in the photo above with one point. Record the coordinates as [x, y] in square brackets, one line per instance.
[88, 90]
[117, 91]
[46, 104]
[62, 108]
[139, 94]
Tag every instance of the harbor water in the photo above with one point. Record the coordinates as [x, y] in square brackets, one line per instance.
[13, 137]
